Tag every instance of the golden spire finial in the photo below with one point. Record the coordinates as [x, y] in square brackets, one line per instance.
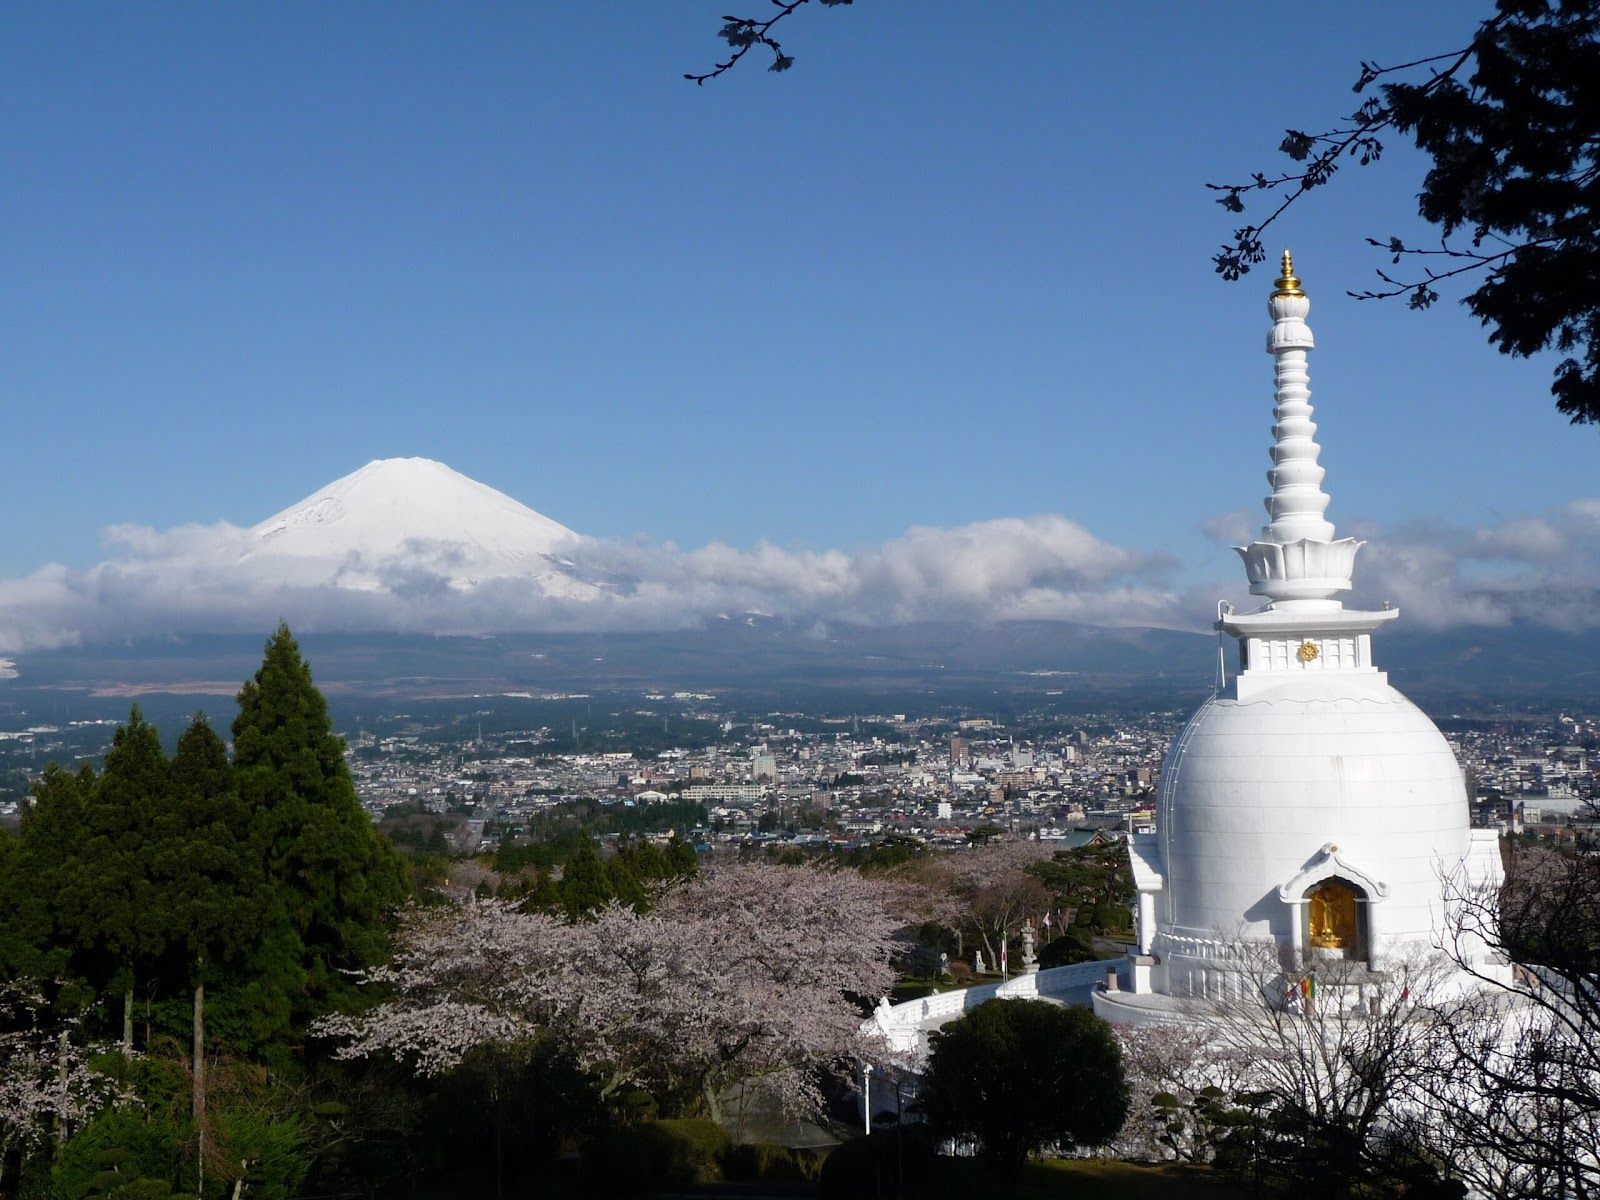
[1288, 285]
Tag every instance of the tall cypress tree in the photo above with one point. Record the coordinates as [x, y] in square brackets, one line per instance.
[213, 886]
[110, 894]
[40, 931]
[585, 885]
[330, 878]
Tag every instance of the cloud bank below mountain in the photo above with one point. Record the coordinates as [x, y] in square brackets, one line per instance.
[1542, 570]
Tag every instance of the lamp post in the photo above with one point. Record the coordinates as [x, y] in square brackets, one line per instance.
[866, 1095]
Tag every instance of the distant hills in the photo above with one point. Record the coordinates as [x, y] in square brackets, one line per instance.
[947, 663]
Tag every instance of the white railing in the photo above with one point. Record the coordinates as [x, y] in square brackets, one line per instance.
[904, 1026]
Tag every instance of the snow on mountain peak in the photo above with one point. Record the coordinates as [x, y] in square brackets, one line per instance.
[408, 515]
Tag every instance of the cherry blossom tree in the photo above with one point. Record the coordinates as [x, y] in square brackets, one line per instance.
[1523, 1087]
[994, 892]
[749, 971]
[1182, 1080]
[46, 1086]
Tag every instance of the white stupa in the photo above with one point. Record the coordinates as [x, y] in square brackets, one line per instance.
[1308, 810]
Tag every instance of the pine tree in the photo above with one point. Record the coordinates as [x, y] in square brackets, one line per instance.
[331, 880]
[110, 896]
[625, 885]
[213, 886]
[585, 886]
[38, 934]
[544, 895]
[682, 858]
[647, 861]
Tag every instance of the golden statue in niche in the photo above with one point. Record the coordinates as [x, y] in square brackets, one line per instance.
[1331, 916]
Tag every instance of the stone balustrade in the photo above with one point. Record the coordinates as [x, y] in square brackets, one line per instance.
[904, 1027]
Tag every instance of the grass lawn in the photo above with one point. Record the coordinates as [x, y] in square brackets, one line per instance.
[1090, 1179]
[1078, 1179]
[954, 1179]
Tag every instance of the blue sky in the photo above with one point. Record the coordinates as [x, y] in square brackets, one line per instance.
[953, 267]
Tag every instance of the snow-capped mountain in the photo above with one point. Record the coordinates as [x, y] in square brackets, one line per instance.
[400, 522]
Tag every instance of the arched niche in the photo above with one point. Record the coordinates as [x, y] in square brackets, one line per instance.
[1357, 888]
[1337, 918]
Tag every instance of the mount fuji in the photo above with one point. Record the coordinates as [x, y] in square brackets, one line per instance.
[398, 521]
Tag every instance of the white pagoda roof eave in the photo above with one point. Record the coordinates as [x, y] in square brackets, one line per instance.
[1281, 622]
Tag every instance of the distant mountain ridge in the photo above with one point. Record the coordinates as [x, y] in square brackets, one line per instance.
[941, 661]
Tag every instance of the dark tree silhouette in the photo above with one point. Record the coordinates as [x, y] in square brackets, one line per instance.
[744, 34]
[1511, 121]
[1016, 1076]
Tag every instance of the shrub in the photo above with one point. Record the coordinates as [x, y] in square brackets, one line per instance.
[1074, 946]
[636, 1161]
[114, 1152]
[267, 1156]
[1018, 1075]
[884, 1164]
[766, 1160]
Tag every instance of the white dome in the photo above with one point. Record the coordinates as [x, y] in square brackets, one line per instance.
[1256, 792]
[1308, 809]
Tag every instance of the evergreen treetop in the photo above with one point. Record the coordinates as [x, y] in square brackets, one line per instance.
[333, 879]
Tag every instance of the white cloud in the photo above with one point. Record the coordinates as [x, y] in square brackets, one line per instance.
[1537, 570]
[199, 578]
[1237, 528]
[1542, 569]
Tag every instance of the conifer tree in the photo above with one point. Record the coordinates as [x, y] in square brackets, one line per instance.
[625, 885]
[544, 895]
[213, 886]
[36, 942]
[331, 879]
[109, 895]
[585, 886]
[647, 861]
[682, 859]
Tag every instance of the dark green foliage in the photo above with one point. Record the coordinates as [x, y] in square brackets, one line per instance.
[646, 861]
[1015, 1076]
[416, 832]
[32, 873]
[888, 1163]
[1208, 1127]
[1513, 149]
[625, 885]
[892, 851]
[681, 859]
[1097, 881]
[585, 886]
[333, 879]
[984, 834]
[261, 883]
[121, 1153]
[109, 902]
[544, 894]
[1507, 113]
[362, 1125]
[267, 1154]
[555, 834]
[1074, 946]
[213, 885]
[767, 1160]
[655, 1155]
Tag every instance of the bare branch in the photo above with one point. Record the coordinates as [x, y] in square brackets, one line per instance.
[743, 34]
[1356, 139]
